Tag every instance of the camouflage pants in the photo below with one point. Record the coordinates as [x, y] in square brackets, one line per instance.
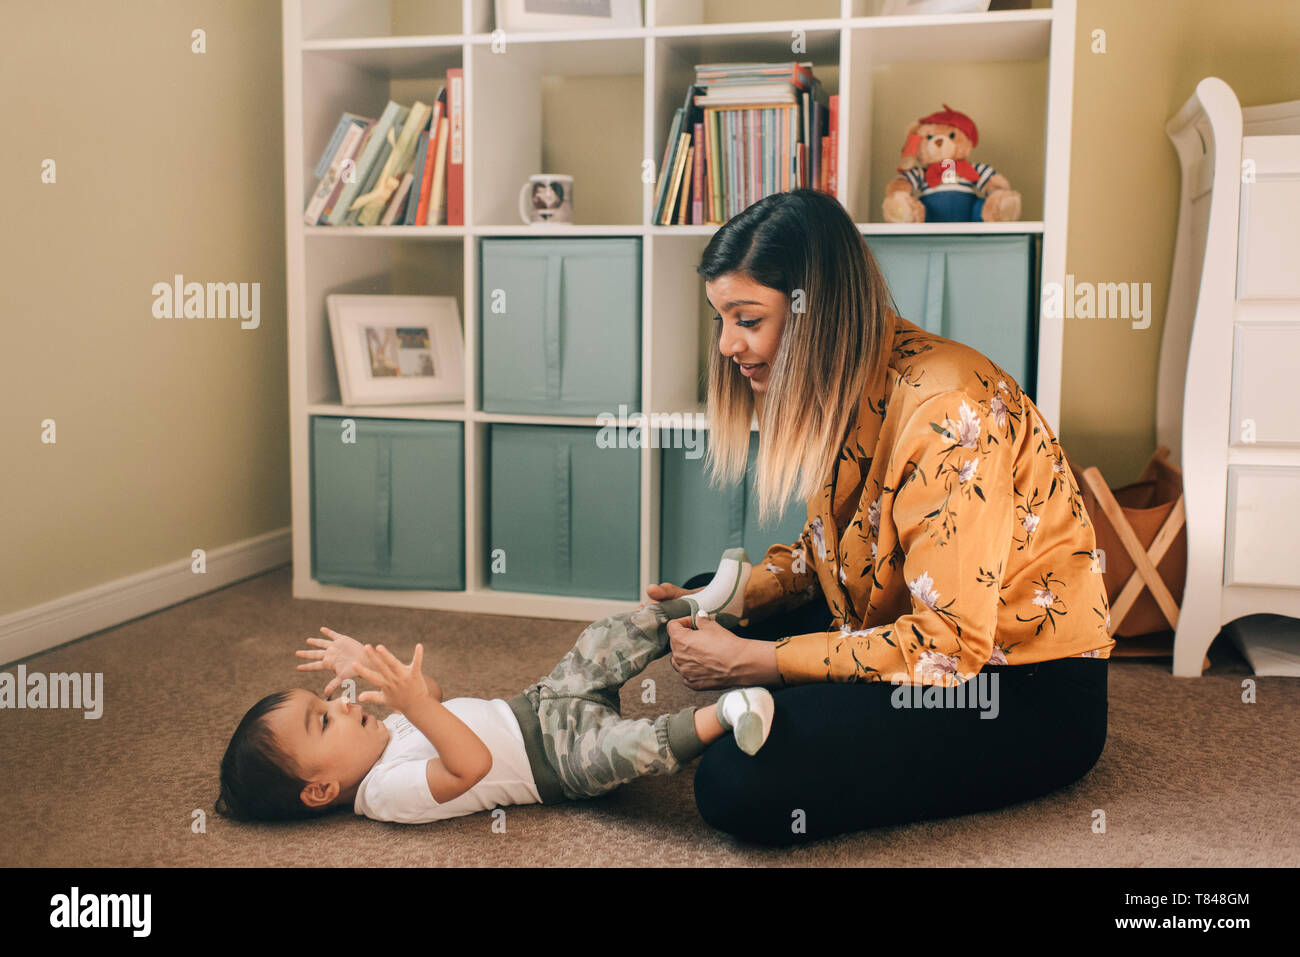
[592, 748]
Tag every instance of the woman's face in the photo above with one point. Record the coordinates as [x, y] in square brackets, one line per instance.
[753, 317]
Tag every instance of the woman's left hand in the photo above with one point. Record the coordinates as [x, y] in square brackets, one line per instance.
[710, 656]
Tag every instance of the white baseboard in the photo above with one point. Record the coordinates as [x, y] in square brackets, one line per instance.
[82, 613]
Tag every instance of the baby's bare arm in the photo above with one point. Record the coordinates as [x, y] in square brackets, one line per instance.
[463, 759]
[435, 690]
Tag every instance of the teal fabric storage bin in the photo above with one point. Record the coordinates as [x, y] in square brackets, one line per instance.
[388, 511]
[976, 289]
[569, 339]
[697, 522]
[564, 513]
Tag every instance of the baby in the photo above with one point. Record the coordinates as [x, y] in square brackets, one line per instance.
[297, 755]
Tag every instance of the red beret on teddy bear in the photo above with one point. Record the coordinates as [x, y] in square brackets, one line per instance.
[938, 183]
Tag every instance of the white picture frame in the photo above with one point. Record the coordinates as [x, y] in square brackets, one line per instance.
[520, 16]
[396, 350]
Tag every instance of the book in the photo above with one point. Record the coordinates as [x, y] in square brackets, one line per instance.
[346, 122]
[807, 137]
[815, 144]
[665, 169]
[697, 178]
[749, 130]
[398, 201]
[372, 178]
[737, 161]
[417, 170]
[344, 149]
[398, 163]
[750, 93]
[323, 164]
[742, 156]
[729, 164]
[430, 159]
[833, 105]
[684, 120]
[456, 147]
[675, 183]
[798, 73]
[393, 113]
[687, 166]
[711, 163]
[347, 174]
[437, 211]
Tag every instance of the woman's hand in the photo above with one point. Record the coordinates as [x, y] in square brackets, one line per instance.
[340, 655]
[666, 591]
[710, 656]
[401, 687]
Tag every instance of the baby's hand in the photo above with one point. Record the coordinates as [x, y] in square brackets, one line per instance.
[401, 687]
[341, 655]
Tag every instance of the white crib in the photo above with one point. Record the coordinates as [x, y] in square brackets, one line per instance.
[1228, 403]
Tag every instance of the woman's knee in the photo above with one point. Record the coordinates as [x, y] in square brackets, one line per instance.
[802, 783]
[1089, 712]
[733, 795]
[721, 785]
[1093, 743]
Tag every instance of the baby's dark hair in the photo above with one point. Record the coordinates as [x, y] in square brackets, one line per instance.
[259, 782]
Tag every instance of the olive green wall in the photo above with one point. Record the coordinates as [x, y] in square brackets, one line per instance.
[1124, 180]
[171, 433]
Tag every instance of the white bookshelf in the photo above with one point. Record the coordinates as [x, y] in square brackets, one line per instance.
[342, 55]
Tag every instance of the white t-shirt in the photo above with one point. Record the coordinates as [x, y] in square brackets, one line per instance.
[397, 788]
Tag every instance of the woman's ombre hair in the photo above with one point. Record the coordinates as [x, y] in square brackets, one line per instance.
[831, 351]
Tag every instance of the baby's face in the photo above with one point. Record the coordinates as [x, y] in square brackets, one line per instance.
[330, 741]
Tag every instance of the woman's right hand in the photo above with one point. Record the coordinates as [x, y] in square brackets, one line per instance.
[666, 591]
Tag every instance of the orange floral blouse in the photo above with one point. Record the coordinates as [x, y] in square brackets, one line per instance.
[951, 536]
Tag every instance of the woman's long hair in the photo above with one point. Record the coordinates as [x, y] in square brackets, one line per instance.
[833, 347]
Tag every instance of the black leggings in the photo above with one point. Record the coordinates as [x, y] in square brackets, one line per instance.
[843, 757]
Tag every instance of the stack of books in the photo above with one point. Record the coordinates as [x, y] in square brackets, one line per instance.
[745, 131]
[405, 168]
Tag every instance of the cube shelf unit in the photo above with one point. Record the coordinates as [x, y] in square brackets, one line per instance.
[342, 55]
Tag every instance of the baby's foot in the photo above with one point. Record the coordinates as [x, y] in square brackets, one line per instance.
[748, 713]
[723, 598]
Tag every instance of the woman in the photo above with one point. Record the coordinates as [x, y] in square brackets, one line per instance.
[946, 542]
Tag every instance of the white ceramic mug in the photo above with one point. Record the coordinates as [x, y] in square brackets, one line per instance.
[546, 198]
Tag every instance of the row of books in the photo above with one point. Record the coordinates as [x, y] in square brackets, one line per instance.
[746, 130]
[405, 168]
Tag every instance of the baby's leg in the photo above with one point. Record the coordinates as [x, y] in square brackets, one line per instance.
[594, 750]
[613, 650]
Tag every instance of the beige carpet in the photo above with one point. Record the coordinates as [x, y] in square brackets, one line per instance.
[1190, 776]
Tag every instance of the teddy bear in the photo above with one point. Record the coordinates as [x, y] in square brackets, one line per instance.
[937, 183]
